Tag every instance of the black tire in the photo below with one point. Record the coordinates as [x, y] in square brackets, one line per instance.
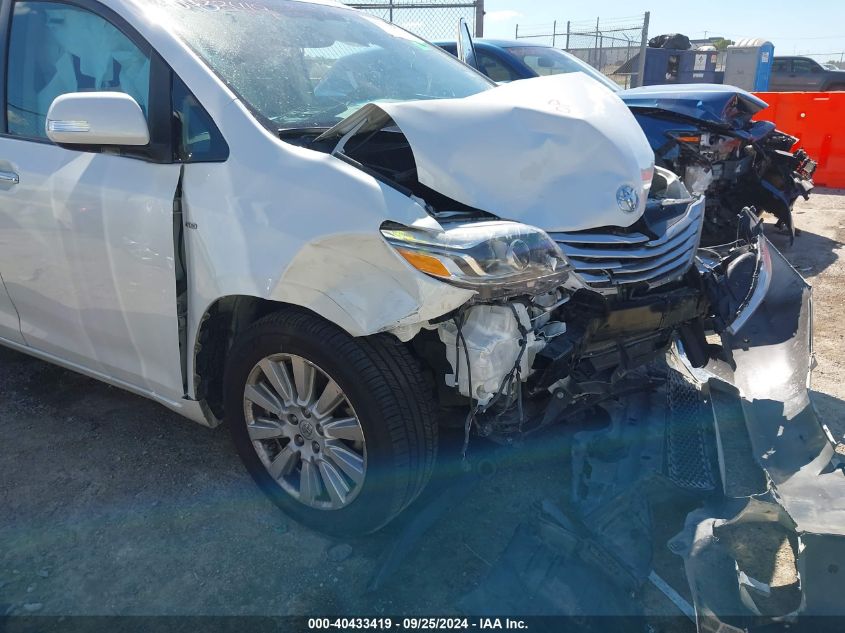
[386, 388]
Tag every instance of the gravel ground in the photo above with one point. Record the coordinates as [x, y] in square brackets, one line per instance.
[818, 255]
[112, 505]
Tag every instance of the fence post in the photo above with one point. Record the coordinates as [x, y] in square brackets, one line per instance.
[554, 33]
[391, 12]
[567, 34]
[600, 54]
[479, 18]
[596, 47]
[516, 35]
[643, 51]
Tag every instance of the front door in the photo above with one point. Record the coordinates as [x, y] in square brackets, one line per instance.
[86, 237]
[806, 74]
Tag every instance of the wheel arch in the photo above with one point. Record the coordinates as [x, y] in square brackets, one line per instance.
[225, 318]
[220, 325]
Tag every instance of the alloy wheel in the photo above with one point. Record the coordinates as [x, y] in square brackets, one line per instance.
[305, 431]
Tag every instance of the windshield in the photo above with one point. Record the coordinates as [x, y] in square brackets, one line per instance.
[544, 60]
[300, 64]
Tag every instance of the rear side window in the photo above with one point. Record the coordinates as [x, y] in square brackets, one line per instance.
[55, 49]
[781, 66]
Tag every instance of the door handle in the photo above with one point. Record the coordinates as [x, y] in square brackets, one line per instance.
[9, 178]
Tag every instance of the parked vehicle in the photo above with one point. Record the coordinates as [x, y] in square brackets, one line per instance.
[704, 133]
[323, 230]
[804, 74]
[511, 60]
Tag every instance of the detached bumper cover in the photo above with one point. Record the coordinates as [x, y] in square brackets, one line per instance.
[777, 461]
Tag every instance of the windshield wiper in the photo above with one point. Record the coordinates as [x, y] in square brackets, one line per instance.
[291, 133]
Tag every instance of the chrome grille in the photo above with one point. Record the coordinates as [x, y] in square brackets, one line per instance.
[606, 260]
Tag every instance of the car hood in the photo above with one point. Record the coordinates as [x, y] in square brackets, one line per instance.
[710, 103]
[557, 152]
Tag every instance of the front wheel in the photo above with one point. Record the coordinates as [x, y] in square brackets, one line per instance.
[339, 432]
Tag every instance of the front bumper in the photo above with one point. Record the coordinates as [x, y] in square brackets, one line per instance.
[776, 460]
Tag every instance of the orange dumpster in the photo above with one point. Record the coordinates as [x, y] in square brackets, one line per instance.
[818, 120]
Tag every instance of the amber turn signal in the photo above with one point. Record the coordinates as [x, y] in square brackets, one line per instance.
[425, 263]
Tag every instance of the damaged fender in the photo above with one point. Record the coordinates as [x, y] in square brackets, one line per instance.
[342, 277]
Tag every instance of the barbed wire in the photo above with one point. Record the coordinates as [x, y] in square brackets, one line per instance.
[611, 45]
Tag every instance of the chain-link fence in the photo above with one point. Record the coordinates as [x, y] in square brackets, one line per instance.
[616, 46]
[431, 19]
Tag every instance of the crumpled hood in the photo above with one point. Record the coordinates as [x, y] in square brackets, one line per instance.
[552, 152]
[711, 103]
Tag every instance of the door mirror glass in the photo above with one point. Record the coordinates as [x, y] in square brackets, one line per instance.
[97, 118]
[466, 48]
[545, 62]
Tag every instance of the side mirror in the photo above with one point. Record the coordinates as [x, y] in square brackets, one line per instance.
[545, 62]
[97, 118]
[466, 47]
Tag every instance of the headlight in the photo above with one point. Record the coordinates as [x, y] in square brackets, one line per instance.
[494, 258]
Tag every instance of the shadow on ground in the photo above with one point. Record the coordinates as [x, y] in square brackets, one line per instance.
[832, 413]
[811, 254]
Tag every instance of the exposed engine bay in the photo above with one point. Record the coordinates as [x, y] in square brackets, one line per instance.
[719, 151]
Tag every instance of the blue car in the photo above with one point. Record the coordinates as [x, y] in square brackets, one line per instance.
[705, 133]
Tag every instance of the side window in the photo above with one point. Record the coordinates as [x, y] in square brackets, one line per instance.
[493, 68]
[802, 66]
[780, 66]
[57, 48]
[197, 138]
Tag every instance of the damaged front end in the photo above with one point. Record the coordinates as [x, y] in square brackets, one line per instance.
[706, 135]
[576, 318]
[562, 317]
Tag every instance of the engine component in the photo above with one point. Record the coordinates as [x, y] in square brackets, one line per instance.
[484, 344]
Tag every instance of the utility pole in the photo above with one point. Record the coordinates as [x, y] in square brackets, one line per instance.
[479, 18]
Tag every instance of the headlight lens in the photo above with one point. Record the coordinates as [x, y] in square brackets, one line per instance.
[499, 257]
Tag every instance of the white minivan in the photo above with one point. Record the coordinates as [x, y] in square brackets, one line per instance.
[314, 225]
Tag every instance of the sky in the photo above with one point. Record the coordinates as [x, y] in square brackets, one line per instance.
[807, 27]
